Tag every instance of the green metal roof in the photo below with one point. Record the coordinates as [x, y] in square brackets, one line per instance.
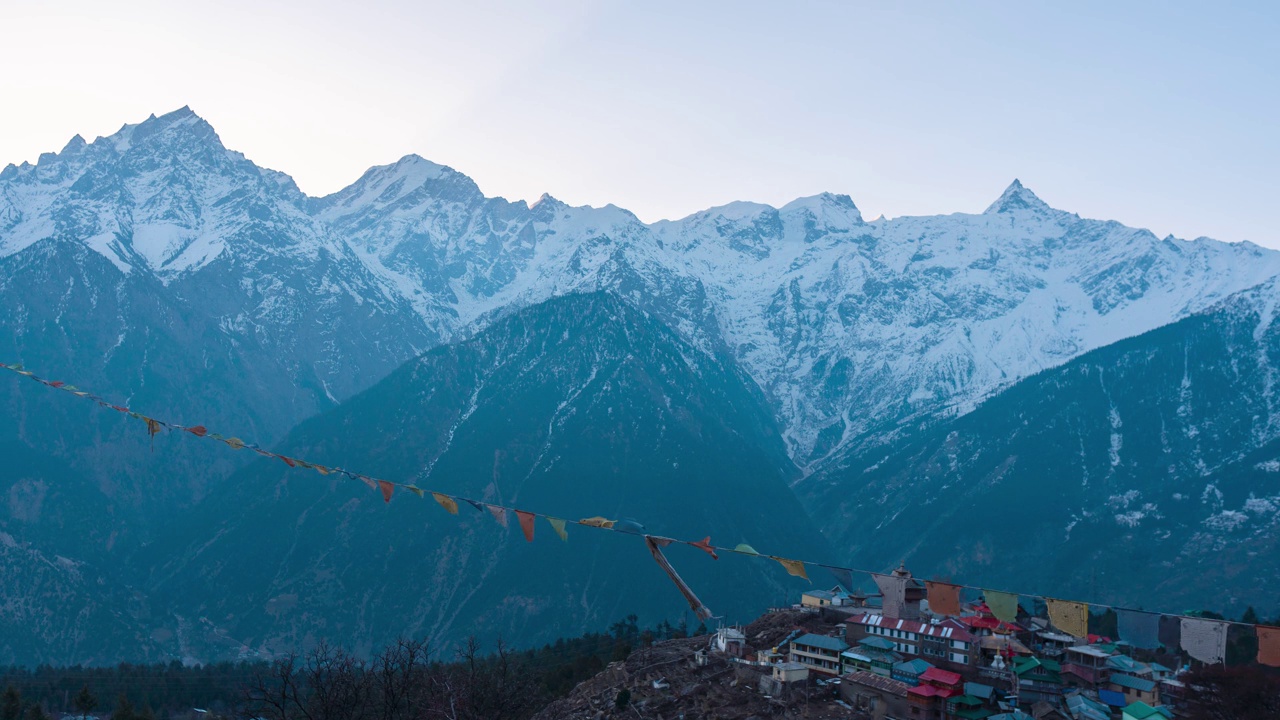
[1133, 683]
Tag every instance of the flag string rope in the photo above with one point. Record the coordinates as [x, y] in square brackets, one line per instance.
[449, 502]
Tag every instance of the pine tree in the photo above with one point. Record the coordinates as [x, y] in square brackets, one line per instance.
[35, 712]
[11, 704]
[85, 701]
[124, 709]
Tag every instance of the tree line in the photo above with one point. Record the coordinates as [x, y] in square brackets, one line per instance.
[408, 680]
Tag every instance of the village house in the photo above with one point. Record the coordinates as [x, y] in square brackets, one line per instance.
[730, 641]
[879, 696]
[1038, 678]
[819, 653]
[1134, 689]
[784, 679]
[835, 597]
[873, 654]
[909, 671]
[944, 642]
[1087, 664]
[928, 700]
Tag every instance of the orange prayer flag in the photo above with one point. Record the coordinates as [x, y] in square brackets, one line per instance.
[705, 546]
[526, 523]
[1269, 645]
[386, 488]
[944, 598]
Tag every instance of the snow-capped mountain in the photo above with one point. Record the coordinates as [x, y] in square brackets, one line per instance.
[1145, 473]
[849, 326]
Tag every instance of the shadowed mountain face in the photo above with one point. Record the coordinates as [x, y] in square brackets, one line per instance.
[1145, 473]
[580, 406]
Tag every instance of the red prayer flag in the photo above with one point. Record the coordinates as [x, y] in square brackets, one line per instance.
[705, 546]
[526, 523]
[386, 488]
[287, 461]
[198, 431]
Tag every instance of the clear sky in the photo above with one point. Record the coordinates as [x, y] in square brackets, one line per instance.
[1161, 115]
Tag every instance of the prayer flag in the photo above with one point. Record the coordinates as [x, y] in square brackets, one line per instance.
[944, 598]
[366, 480]
[526, 523]
[234, 443]
[479, 507]
[844, 577]
[1170, 633]
[893, 589]
[628, 526]
[1204, 640]
[745, 549]
[198, 431]
[386, 488]
[1003, 605]
[287, 461]
[655, 546]
[1071, 618]
[794, 567]
[597, 521]
[499, 513]
[705, 546]
[446, 502]
[558, 525]
[415, 490]
[1139, 629]
[1269, 645]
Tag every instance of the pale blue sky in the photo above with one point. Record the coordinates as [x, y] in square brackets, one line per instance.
[1160, 115]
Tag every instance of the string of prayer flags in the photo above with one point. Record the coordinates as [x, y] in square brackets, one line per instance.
[893, 588]
[526, 523]
[1205, 640]
[1002, 604]
[598, 522]
[558, 525]
[1070, 617]
[499, 513]
[705, 546]
[793, 567]
[655, 546]
[446, 502]
[1269, 645]
[944, 598]
[1139, 629]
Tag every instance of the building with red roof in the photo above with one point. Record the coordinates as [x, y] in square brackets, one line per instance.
[947, 642]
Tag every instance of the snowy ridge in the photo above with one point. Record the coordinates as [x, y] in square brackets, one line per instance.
[849, 327]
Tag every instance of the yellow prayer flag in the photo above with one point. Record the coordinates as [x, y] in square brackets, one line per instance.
[446, 502]
[1071, 618]
[597, 521]
[415, 490]
[558, 525]
[794, 567]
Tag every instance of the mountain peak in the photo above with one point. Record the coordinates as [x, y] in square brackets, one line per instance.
[825, 202]
[1017, 197]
